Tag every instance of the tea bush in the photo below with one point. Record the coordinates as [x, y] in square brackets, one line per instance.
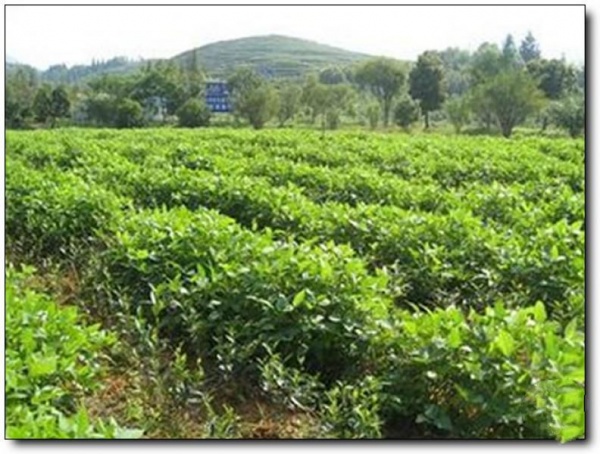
[51, 360]
[416, 286]
[487, 375]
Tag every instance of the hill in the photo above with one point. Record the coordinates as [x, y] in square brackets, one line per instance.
[62, 74]
[271, 55]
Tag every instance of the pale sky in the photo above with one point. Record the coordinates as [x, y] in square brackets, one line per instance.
[46, 35]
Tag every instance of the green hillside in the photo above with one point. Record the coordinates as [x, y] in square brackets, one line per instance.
[62, 74]
[272, 55]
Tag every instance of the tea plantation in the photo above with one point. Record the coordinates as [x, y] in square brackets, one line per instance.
[356, 285]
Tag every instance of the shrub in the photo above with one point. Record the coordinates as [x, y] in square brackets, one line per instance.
[406, 112]
[53, 214]
[130, 114]
[500, 374]
[215, 287]
[570, 114]
[458, 112]
[52, 359]
[194, 113]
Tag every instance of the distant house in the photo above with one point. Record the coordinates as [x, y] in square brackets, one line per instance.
[217, 96]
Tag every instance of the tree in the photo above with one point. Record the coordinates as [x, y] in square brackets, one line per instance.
[42, 103]
[427, 83]
[510, 54]
[406, 112]
[457, 109]
[486, 63]
[289, 101]
[570, 114]
[253, 98]
[455, 58]
[511, 97]
[194, 77]
[555, 77]
[163, 81]
[373, 113]
[332, 75]
[529, 50]
[384, 78]
[20, 90]
[337, 101]
[456, 70]
[100, 109]
[326, 101]
[60, 104]
[260, 105]
[312, 96]
[129, 114]
[580, 78]
[194, 113]
[481, 106]
[116, 85]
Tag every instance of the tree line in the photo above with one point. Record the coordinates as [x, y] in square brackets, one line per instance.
[493, 88]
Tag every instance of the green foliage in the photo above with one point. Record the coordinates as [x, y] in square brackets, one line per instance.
[332, 75]
[406, 112]
[162, 80]
[42, 103]
[278, 56]
[511, 59]
[487, 375]
[570, 114]
[458, 112]
[326, 101]
[287, 289]
[236, 293]
[59, 102]
[486, 63]
[510, 97]
[427, 83]
[21, 86]
[194, 113]
[253, 98]
[351, 410]
[51, 104]
[289, 103]
[100, 109]
[52, 214]
[456, 70]
[529, 49]
[52, 360]
[129, 114]
[383, 78]
[112, 84]
[260, 106]
[288, 386]
[567, 402]
[373, 114]
[555, 78]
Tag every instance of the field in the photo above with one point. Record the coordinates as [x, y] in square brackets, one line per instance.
[356, 285]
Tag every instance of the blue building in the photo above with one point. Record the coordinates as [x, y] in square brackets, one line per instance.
[217, 97]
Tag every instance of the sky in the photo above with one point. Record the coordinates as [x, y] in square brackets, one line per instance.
[45, 35]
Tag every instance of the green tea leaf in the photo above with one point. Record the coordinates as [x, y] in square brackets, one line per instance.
[40, 366]
[505, 343]
[299, 298]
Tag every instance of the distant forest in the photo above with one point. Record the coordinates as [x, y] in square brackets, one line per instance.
[287, 81]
